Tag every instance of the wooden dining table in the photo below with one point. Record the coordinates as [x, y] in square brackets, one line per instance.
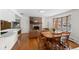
[49, 34]
[50, 37]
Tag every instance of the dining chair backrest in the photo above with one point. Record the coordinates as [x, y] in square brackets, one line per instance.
[57, 37]
[57, 34]
[66, 35]
[65, 39]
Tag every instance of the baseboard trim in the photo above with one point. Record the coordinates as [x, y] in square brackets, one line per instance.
[72, 39]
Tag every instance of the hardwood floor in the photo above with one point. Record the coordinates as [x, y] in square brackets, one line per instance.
[24, 43]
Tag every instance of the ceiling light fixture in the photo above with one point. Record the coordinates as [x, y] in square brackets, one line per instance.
[42, 11]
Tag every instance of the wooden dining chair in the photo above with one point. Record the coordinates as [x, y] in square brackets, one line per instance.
[42, 41]
[57, 41]
[45, 40]
[65, 39]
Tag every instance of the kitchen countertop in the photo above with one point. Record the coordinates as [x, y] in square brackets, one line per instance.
[9, 32]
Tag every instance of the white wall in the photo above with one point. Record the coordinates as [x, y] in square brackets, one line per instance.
[24, 23]
[44, 22]
[74, 23]
[25, 26]
[7, 14]
[47, 22]
[50, 20]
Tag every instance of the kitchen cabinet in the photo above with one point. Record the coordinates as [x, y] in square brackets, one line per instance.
[7, 42]
[5, 25]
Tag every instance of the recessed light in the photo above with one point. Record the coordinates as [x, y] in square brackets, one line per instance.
[42, 11]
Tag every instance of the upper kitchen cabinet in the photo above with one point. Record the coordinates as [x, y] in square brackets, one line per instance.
[7, 14]
[5, 25]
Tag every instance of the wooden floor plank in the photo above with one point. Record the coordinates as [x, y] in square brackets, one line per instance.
[25, 43]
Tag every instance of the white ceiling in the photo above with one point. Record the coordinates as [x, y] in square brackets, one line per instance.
[36, 12]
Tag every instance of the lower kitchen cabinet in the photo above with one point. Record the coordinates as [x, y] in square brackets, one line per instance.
[6, 43]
